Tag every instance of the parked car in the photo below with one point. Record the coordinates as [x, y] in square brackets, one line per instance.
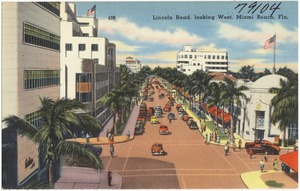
[158, 113]
[83, 161]
[154, 120]
[139, 124]
[193, 125]
[151, 99]
[262, 146]
[178, 106]
[189, 120]
[157, 149]
[163, 130]
[160, 96]
[171, 116]
[138, 130]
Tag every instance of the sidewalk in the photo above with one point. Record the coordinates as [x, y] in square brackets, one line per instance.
[86, 178]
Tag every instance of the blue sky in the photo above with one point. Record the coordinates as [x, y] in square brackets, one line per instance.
[156, 42]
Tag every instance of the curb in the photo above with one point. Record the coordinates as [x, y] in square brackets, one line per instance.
[252, 179]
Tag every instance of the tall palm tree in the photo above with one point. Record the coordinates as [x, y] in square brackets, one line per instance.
[113, 102]
[232, 94]
[59, 119]
[285, 104]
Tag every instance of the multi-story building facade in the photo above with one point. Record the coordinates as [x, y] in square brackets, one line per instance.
[133, 64]
[253, 116]
[88, 62]
[190, 60]
[30, 69]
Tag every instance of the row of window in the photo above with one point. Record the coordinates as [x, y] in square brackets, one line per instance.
[36, 36]
[81, 47]
[41, 78]
[34, 118]
[205, 56]
[53, 7]
[85, 96]
[216, 63]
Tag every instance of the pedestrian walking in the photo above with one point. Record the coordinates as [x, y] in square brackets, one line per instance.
[112, 151]
[218, 138]
[250, 153]
[240, 144]
[266, 157]
[206, 138]
[210, 137]
[233, 146]
[128, 135]
[107, 132]
[82, 134]
[262, 165]
[275, 164]
[226, 149]
[87, 137]
[109, 174]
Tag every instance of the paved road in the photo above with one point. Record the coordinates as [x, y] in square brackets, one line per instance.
[190, 162]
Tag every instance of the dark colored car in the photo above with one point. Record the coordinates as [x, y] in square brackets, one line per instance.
[171, 116]
[193, 125]
[138, 130]
[262, 146]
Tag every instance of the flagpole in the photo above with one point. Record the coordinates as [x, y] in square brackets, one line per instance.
[95, 11]
[274, 70]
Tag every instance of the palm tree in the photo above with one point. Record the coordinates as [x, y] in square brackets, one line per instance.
[285, 104]
[247, 72]
[231, 95]
[113, 101]
[59, 119]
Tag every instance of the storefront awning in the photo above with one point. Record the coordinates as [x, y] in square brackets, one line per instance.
[291, 160]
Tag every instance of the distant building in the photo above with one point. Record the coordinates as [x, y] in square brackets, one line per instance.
[133, 64]
[189, 60]
[219, 77]
[30, 69]
[88, 62]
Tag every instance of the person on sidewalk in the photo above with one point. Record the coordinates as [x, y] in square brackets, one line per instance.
[275, 164]
[250, 153]
[262, 165]
[226, 149]
[109, 177]
[112, 150]
[87, 136]
[240, 144]
[233, 146]
[128, 135]
[218, 139]
[206, 138]
[266, 156]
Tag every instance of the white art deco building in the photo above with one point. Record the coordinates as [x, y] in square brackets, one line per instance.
[190, 60]
[88, 62]
[133, 64]
[253, 118]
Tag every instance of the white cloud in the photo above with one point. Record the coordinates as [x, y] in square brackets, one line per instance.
[264, 32]
[211, 47]
[123, 47]
[132, 31]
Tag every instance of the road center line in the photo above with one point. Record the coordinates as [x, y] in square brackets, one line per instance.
[127, 158]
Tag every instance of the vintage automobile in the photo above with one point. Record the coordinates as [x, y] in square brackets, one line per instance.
[160, 96]
[163, 130]
[138, 130]
[167, 108]
[150, 111]
[151, 99]
[262, 146]
[158, 113]
[189, 120]
[171, 116]
[178, 106]
[139, 124]
[157, 149]
[154, 120]
[193, 125]
[83, 161]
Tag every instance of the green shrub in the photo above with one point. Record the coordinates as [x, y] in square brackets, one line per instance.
[273, 183]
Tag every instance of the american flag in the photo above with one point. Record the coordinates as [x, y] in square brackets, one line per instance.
[91, 11]
[270, 42]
